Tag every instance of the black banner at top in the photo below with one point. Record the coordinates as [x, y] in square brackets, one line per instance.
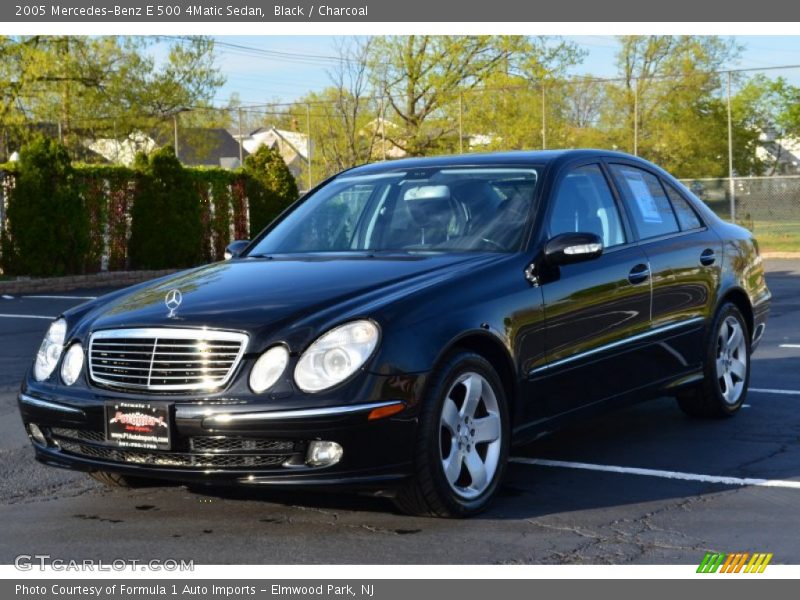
[396, 11]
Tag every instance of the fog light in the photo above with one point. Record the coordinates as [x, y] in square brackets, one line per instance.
[37, 434]
[323, 454]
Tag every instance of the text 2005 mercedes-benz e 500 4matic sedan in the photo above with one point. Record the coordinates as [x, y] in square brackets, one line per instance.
[404, 324]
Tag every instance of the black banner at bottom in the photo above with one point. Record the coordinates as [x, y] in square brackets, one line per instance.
[383, 589]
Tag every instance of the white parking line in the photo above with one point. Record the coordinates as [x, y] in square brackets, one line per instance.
[739, 481]
[788, 345]
[61, 297]
[772, 391]
[7, 316]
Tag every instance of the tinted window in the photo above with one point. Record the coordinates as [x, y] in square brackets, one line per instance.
[584, 203]
[687, 218]
[428, 210]
[647, 201]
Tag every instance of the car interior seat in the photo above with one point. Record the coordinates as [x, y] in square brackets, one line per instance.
[432, 209]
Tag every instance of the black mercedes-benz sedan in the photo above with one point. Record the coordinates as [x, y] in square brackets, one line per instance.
[404, 324]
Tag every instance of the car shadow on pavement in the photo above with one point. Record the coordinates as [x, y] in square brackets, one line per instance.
[760, 442]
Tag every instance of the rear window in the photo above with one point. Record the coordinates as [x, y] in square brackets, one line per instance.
[687, 218]
[647, 201]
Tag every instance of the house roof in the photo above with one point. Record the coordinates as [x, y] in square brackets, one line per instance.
[204, 145]
[297, 141]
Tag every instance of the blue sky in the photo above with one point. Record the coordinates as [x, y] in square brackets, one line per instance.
[265, 75]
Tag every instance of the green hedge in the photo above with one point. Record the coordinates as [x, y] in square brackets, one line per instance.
[166, 229]
[64, 219]
[269, 185]
[49, 217]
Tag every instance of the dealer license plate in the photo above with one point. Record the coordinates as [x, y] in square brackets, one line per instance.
[138, 425]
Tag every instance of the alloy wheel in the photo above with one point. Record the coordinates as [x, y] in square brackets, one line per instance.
[470, 435]
[732, 359]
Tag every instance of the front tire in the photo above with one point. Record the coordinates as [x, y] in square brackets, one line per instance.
[462, 441]
[727, 368]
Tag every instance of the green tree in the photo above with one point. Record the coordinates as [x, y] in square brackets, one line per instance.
[166, 227]
[424, 77]
[672, 90]
[48, 225]
[771, 109]
[81, 87]
[270, 187]
[420, 75]
[345, 117]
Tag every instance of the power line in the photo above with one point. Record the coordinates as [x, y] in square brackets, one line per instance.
[281, 55]
[285, 108]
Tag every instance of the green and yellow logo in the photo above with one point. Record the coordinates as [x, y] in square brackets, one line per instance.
[739, 562]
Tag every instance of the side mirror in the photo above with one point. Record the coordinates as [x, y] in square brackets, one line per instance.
[235, 248]
[569, 248]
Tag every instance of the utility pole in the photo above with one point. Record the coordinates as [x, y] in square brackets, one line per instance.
[175, 114]
[730, 154]
[544, 118]
[461, 122]
[382, 125]
[636, 116]
[308, 142]
[241, 135]
[175, 131]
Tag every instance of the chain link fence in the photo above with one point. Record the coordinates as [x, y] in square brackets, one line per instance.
[722, 129]
[767, 206]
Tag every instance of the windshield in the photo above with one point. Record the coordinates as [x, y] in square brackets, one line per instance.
[425, 210]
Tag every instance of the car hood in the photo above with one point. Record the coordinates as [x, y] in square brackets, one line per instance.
[258, 294]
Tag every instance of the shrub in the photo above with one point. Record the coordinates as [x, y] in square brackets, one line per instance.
[214, 192]
[270, 187]
[65, 219]
[108, 194]
[166, 228]
[47, 232]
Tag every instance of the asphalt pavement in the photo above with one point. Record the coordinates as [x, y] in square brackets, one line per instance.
[646, 485]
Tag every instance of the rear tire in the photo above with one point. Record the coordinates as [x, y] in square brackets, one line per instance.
[115, 480]
[462, 441]
[726, 370]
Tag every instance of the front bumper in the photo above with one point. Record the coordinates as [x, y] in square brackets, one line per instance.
[229, 443]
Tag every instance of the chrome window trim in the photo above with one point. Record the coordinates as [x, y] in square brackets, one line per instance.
[39, 403]
[612, 345]
[301, 413]
[193, 334]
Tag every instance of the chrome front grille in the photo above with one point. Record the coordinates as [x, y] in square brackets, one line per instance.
[161, 359]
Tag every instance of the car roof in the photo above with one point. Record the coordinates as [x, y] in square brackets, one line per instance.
[522, 157]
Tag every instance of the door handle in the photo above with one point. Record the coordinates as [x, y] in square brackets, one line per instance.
[639, 273]
[708, 257]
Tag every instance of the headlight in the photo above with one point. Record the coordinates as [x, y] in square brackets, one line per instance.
[268, 368]
[50, 350]
[336, 355]
[72, 364]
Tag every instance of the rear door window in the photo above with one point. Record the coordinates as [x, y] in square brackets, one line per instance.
[646, 200]
[687, 218]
